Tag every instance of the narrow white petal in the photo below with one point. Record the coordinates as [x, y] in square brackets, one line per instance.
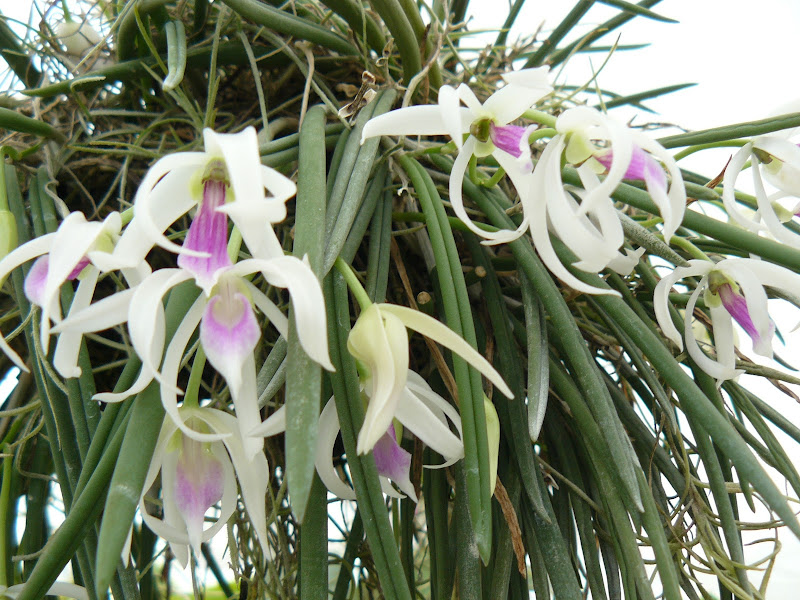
[457, 201]
[309, 306]
[165, 190]
[326, 438]
[451, 111]
[412, 120]
[661, 296]
[422, 422]
[169, 374]
[442, 334]
[65, 358]
[270, 309]
[724, 344]
[508, 103]
[729, 186]
[103, 314]
[272, 425]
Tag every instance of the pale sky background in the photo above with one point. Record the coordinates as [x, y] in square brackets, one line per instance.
[740, 53]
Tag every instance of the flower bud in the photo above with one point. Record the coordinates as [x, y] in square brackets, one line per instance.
[77, 37]
[8, 235]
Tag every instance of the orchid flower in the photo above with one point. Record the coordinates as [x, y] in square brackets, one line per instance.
[65, 255]
[419, 409]
[226, 179]
[733, 290]
[489, 129]
[380, 342]
[591, 228]
[229, 330]
[625, 154]
[198, 475]
[777, 160]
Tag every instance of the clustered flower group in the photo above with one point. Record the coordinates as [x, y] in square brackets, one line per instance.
[202, 451]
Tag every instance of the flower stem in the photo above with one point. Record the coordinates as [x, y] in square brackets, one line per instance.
[540, 117]
[541, 133]
[689, 247]
[191, 398]
[353, 283]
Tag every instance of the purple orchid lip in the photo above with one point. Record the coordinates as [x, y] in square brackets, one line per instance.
[736, 305]
[512, 139]
[198, 481]
[208, 233]
[36, 280]
[390, 459]
[642, 167]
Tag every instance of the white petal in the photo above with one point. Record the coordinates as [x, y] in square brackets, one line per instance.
[412, 120]
[724, 343]
[65, 358]
[309, 306]
[169, 375]
[453, 115]
[442, 334]
[729, 186]
[457, 202]
[270, 310]
[419, 419]
[673, 206]
[756, 298]
[326, 438]
[146, 316]
[661, 296]
[103, 314]
[381, 342]
[272, 425]
[508, 103]
[165, 189]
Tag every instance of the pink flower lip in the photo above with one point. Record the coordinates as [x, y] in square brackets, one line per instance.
[512, 139]
[642, 167]
[208, 233]
[736, 305]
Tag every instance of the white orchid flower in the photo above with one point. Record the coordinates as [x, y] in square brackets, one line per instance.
[196, 476]
[733, 290]
[489, 129]
[625, 154]
[229, 330]
[776, 159]
[226, 179]
[379, 340]
[419, 409]
[72, 252]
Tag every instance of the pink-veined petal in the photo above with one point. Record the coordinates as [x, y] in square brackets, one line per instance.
[229, 333]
